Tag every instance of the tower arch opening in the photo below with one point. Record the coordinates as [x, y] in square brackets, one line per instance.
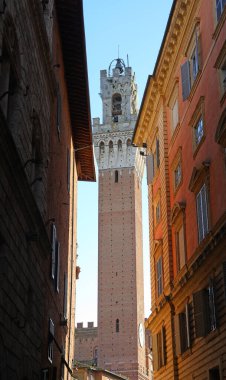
[110, 146]
[116, 104]
[101, 147]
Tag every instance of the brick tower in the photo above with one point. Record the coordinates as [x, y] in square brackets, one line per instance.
[121, 346]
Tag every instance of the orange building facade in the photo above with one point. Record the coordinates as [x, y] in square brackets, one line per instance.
[182, 122]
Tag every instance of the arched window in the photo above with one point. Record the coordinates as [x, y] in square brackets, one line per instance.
[116, 176]
[116, 104]
[117, 325]
[128, 143]
[111, 146]
[101, 146]
[119, 145]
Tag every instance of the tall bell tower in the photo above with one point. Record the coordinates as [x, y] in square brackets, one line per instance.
[121, 346]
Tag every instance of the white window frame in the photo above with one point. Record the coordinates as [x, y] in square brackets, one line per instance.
[159, 276]
[202, 212]
[51, 340]
[53, 247]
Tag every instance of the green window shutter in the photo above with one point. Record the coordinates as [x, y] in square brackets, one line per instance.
[205, 210]
[150, 168]
[157, 153]
[185, 78]
[187, 313]
[155, 352]
[180, 333]
[201, 313]
[65, 296]
[163, 345]
[68, 170]
[224, 277]
[53, 254]
[59, 109]
[57, 276]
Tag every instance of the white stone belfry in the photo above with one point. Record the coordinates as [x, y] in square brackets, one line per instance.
[113, 138]
[121, 346]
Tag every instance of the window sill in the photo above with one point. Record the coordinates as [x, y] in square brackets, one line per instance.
[219, 24]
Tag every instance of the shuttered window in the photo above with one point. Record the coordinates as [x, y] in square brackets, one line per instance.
[58, 111]
[155, 353]
[159, 276]
[182, 331]
[212, 307]
[159, 349]
[175, 115]
[224, 277]
[202, 213]
[57, 276]
[163, 346]
[150, 168]
[205, 311]
[185, 78]
[68, 170]
[53, 246]
[190, 69]
[50, 340]
[157, 153]
[187, 318]
[65, 296]
[180, 248]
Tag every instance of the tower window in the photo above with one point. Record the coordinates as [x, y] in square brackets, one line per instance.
[101, 147]
[117, 325]
[116, 176]
[111, 146]
[116, 104]
[128, 143]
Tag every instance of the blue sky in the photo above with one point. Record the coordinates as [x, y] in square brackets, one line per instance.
[136, 29]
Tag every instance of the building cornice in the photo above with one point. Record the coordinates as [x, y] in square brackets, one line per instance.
[157, 83]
